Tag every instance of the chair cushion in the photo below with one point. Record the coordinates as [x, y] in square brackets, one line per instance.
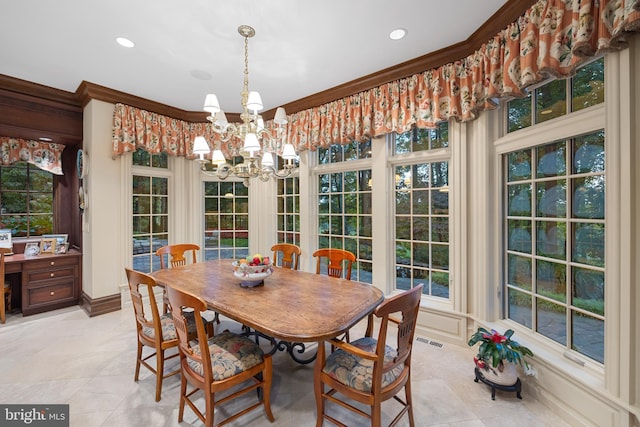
[169, 329]
[230, 353]
[357, 372]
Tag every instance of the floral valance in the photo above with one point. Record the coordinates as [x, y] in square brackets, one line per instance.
[134, 128]
[552, 38]
[45, 155]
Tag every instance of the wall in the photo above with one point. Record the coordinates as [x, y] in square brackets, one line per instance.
[102, 223]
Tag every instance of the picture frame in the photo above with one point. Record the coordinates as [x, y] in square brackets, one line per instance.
[5, 240]
[32, 249]
[61, 239]
[62, 249]
[48, 245]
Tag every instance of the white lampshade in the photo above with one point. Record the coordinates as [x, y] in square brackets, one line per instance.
[260, 124]
[218, 158]
[280, 117]
[200, 146]
[251, 143]
[254, 102]
[221, 119]
[288, 152]
[211, 104]
[267, 160]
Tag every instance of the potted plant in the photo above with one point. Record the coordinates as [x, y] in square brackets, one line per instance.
[498, 355]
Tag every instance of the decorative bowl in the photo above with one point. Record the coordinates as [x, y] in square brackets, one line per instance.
[251, 275]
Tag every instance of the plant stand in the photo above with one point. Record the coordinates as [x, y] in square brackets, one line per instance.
[517, 387]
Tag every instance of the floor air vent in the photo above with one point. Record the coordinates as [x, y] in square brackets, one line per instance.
[431, 342]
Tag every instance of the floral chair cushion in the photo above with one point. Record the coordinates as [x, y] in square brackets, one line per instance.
[231, 354]
[357, 372]
[169, 329]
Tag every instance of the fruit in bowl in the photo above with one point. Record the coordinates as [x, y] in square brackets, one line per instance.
[252, 270]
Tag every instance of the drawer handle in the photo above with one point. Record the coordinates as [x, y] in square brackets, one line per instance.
[53, 263]
[52, 293]
[52, 274]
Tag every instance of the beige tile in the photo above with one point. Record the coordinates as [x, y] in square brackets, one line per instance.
[66, 357]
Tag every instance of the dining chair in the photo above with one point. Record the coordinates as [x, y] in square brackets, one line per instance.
[218, 363]
[337, 260]
[6, 293]
[153, 330]
[176, 257]
[368, 370]
[288, 255]
[175, 254]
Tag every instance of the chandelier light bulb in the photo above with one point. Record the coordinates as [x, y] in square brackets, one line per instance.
[281, 117]
[221, 119]
[288, 152]
[267, 160]
[254, 102]
[211, 104]
[218, 158]
[251, 143]
[200, 146]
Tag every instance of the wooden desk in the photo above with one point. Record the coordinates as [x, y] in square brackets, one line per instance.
[293, 306]
[47, 281]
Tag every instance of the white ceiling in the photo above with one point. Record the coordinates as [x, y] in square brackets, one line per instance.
[300, 48]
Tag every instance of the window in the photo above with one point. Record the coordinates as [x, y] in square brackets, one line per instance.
[26, 197]
[344, 219]
[150, 208]
[289, 210]
[554, 231]
[549, 101]
[344, 206]
[422, 211]
[150, 221]
[343, 153]
[226, 219]
[143, 158]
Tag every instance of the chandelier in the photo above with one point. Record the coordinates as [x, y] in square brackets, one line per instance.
[259, 145]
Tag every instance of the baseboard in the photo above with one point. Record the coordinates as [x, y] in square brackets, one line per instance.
[98, 306]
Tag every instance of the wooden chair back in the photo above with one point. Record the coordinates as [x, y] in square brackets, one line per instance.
[176, 254]
[338, 261]
[290, 255]
[196, 353]
[6, 287]
[400, 311]
[148, 319]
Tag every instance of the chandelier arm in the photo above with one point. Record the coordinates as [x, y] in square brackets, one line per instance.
[283, 173]
[223, 171]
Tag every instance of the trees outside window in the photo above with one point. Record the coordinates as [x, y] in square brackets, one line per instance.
[26, 200]
[421, 206]
[226, 220]
[150, 209]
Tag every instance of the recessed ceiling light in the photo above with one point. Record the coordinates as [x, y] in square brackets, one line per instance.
[123, 41]
[45, 139]
[397, 34]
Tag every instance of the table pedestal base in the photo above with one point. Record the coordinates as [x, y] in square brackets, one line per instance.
[517, 387]
[293, 348]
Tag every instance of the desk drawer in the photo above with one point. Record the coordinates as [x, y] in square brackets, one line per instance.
[49, 263]
[50, 293]
[50, 274]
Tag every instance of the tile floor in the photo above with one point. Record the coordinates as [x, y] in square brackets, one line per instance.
[66, 357]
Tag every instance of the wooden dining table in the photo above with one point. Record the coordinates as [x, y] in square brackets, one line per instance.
[291, 306]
